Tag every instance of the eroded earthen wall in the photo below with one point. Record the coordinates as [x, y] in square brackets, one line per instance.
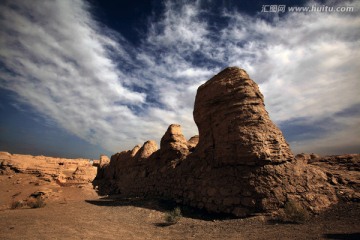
[241, 165]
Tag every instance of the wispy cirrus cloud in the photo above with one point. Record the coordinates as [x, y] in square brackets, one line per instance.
[98, 86]
[57, 61]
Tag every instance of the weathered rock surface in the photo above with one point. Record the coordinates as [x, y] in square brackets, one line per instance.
[342, 172]
[61, 170]
[234, 126]
[104, 160]
[193, 142]
[173, 144]
[239, 164]
[145, 151]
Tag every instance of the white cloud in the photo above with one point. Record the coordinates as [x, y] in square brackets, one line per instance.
[59, 64]
[58, 61]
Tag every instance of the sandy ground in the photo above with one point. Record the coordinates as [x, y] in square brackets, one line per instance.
[78, 213]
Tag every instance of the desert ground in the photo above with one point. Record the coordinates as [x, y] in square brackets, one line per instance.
[77, 212]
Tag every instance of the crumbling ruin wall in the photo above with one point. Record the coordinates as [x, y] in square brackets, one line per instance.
[240, 165]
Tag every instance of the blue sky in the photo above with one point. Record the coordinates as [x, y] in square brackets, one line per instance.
[84, 78]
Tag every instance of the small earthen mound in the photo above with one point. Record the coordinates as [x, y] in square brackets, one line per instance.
[192, 143]
[173, 144]
[146, 150]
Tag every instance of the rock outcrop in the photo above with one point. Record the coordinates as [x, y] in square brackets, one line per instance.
[145, 151]
[240, 163]
[193, 142]
[234, 126]
[61, 170]
[173, 144]
[342, 171]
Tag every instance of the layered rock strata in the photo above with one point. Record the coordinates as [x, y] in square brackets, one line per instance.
[61, 170]
[240, 165]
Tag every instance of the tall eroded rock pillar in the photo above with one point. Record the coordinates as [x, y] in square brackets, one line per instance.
[234, 127]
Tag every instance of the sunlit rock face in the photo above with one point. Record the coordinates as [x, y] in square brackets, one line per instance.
[61, 170]
[173, 144]
[233, 124]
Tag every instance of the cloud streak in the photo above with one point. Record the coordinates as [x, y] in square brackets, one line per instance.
[98, 86]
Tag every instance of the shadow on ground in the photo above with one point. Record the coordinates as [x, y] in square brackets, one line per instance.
[342, 236]
[159, 205]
